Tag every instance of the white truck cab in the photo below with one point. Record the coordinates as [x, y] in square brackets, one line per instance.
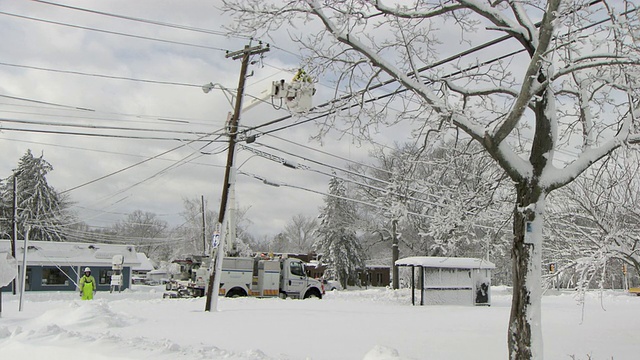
[294, 281]
[245, 276]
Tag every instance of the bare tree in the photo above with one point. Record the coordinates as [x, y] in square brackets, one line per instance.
[559, 75]
[596, 225]
[445, 200]
[147, 233]
[195, 233]
[300, 233]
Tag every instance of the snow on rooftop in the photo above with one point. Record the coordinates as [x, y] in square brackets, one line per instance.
[446, 262]
[45, 253]
[145, 263]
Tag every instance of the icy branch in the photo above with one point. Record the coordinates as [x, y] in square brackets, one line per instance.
[481, 92]
[410, 83]
[588, 65]
[525, 21]
[404, 12]
[531, 75]
[497, 18]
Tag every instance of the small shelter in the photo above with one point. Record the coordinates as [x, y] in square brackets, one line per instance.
[450, 280]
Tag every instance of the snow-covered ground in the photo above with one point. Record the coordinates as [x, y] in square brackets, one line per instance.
[374, 324]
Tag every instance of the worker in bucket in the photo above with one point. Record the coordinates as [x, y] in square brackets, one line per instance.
[87, 285]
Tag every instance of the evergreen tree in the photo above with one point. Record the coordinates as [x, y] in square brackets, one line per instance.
[39, 205]
[337, 239]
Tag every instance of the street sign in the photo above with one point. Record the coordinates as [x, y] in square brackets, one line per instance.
[216, 240]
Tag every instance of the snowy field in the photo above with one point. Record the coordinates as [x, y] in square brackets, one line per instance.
[374, 324]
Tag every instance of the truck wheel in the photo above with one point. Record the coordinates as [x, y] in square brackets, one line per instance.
[313, 294]
[236, 292]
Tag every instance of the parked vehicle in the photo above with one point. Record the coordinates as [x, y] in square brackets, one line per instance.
[260, 277]
[330, 285]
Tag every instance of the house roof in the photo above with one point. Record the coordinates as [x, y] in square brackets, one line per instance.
[145, 263]
[48, 253]
[446, 262]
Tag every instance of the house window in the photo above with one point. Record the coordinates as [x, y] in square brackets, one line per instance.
[53, 277]
[105, 277]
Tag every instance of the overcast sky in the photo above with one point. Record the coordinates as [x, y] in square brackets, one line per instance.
[110, 92]
[60, 76]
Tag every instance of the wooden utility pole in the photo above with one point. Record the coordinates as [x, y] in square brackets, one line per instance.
[245, 55]
[14, 223]
[395, 254]
[204, 227]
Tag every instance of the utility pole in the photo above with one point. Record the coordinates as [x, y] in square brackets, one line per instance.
[14, 221]
[204, 228]
[395, 253]
[24, 265]
[214, 277]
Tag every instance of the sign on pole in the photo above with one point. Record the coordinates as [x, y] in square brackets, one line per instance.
[8, 266]
[215, 241]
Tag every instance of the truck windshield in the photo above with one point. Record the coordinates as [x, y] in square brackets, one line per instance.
[297, 269]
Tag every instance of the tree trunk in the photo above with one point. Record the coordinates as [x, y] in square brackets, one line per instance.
[525, 334]
[395, 254]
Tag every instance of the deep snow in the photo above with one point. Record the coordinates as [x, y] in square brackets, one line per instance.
[374, 324]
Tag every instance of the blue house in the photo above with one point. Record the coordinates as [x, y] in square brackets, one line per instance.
[57, 266]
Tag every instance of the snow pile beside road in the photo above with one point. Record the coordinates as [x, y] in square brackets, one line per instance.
[371, 324]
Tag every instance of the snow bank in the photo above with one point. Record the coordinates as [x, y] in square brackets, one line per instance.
[370, 324]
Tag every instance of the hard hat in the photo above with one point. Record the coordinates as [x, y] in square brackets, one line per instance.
[87, 269]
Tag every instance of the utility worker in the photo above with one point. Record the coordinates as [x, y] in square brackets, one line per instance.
[87, 285]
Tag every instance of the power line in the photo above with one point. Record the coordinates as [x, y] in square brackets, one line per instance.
[133, 165]
[113, 32]
[45, 103]
[361, 184]
[280, 184]
[93, 150]
[147, 21]
[113, 136]
[98, 127]
[177, 164]
[114, 77]
[137, 116]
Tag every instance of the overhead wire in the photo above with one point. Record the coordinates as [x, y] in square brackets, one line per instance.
[356, 174]
[97, 127]
[113, 77]
[280, 184]
[147, 21]
[112, 136]
[45, 103]
[76, 108]
[112, 32]
[67, 116]
[135, 164]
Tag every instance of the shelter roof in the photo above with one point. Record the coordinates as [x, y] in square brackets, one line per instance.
[446, 262]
